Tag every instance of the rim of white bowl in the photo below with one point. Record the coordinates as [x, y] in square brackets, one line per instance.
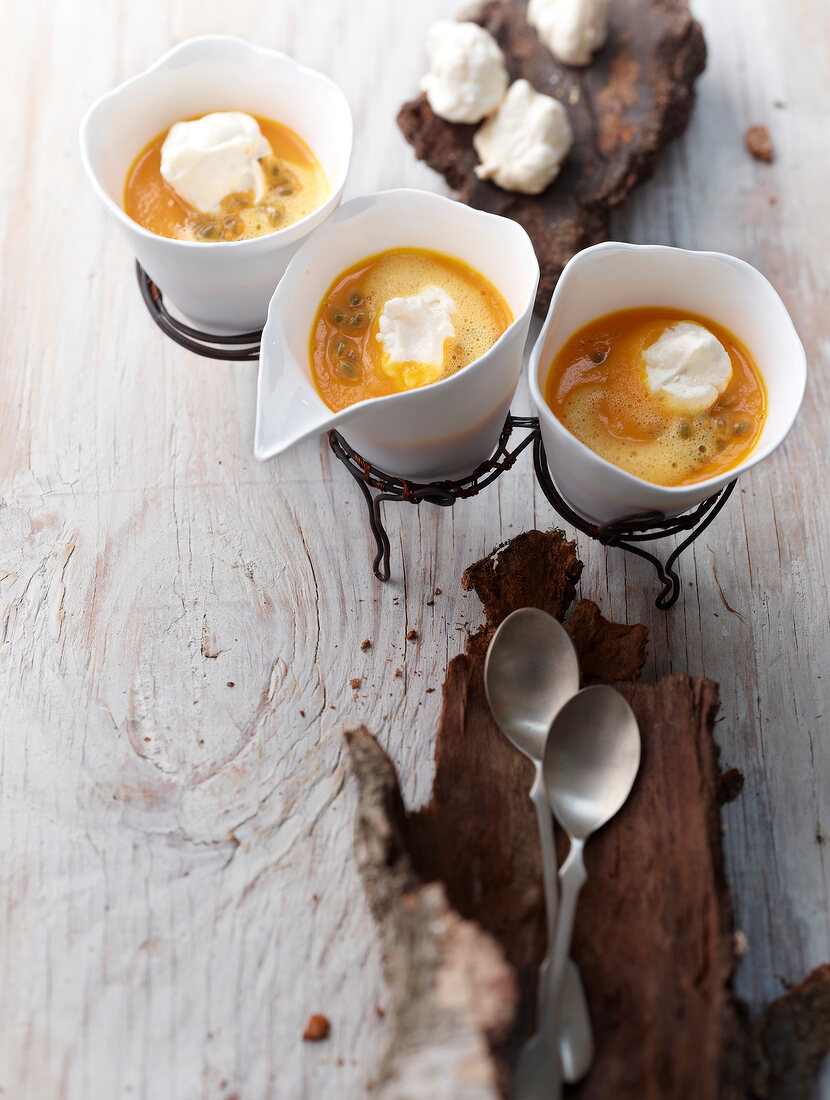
[341, 214]
[711, 484]
[282, 235]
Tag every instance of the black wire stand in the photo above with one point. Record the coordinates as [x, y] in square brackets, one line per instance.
[243, 347]
[628, 533]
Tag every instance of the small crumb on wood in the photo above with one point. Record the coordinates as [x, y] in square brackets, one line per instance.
[430, 691]
[741, 944]
[318, 1028]
[411, 635]
[366, 644]
[230, 683]
[355, 683]
[302, 714]
[437, 592]
[379, 1012]
[759, 143]
[730, 785]
[398, 673]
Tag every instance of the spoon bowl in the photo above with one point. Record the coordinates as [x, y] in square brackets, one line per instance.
[530, 671]
[591, 759]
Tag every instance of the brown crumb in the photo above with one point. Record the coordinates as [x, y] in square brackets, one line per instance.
[379, 1011]
[430, 603]
[398, 673]
[411, 635]
[366, 644]
[759, 143]
[146, 738]
[430, 691]
[318, 1028]
[730, 785]
[355, 683]
[230, 683]
[437, 592]
[302, 714]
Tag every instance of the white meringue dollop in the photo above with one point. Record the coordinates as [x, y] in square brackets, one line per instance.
[214, 156]
[468, 75]
[521, 147]
[571, 29]
[688, 366]
[413, 332]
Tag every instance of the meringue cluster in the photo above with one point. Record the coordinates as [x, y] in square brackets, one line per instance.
[526, 135]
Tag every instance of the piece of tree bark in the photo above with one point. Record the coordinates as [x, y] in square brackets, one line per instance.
[653, 937]
[790, 1039]
[534, 569]
[606, 650]
[451, 994]
[634, 97]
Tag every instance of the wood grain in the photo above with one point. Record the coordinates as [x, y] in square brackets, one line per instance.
[178, 889]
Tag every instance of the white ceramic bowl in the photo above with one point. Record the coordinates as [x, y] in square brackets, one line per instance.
[443, 430]
[223, 286]
[621, 276]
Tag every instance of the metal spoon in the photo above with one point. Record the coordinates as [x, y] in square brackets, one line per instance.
[591, 759]
[531, 670]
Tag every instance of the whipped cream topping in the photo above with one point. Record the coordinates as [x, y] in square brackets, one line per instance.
[688, 366]
[571, 29]
[521, 147]
[214, 156]
[468, 76]
[413, 332]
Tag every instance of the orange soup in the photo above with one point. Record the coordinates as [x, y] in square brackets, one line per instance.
[349, 361]
[296, 186]
[597, 388]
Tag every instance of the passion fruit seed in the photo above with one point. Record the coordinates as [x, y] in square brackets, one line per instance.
[285, 189]
[271, 167]
[338, 317]
[348, 370]
[205, 228]
[341, 348]
[355, 299]
[235, 202]
[723, 428]
[273, 214]
[685, 430]
[231, 227]
[358, 320]
[740, 427]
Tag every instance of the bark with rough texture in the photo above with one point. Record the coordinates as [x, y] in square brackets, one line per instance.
[451, 995]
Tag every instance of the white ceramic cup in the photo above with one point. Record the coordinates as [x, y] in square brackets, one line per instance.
[615, 276]
[222, 286]
[442, 430]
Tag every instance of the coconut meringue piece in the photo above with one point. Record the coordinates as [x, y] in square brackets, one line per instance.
[521, 147]
[688, 366]
[571, 29]
[413, 332]
[468, 76]
[214, 156]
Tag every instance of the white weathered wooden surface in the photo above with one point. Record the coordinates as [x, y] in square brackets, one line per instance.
[178, 887]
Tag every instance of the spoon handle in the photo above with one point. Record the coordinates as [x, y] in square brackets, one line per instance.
[549, 878]
[571, 877]
[570, 1032]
